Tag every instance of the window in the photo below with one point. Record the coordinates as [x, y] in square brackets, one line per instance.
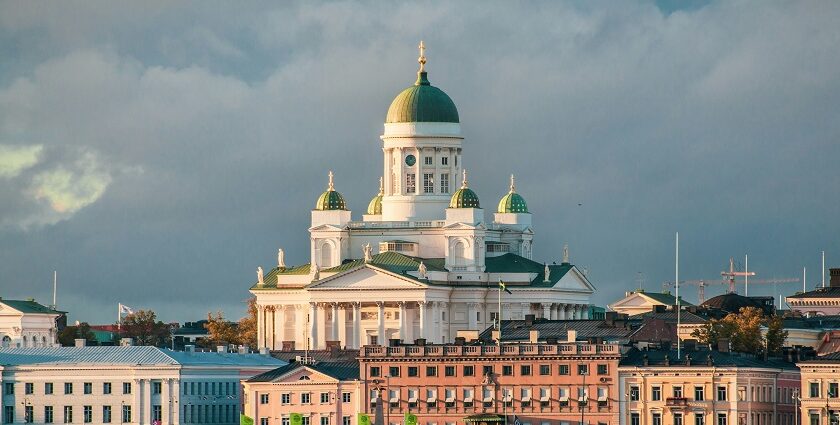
[325, 398]
[469, 370]
[428, 160]
[634, 393]
[28, 414]
[449, 370]
[444, 183]
[263, 421]
[68, 414]
[507, 370]
[814, 389]
[699, 419]
[721, 419]
[814, 418]
[88, 387]
[106, 414]
[564, 369]
[634, 418]
[486, 370]
[678, 419]
[68, 388]
[394, 371]
[127, 387]
[263, 398]
[431, 371]
[444, 160]
[48, 388]
[10, 388]
[525, 370]
[678, 392]
[602, 369]
[699, 394]
[285, 398]
[345, 397]
[656, 393]
[305, 398]
[156, 387]
[306, 420]
[412, 371]
[656, 419]
[374, 371]
[832, 389]
[325, 420]
[428, 183]
[583, 369]
[345, 420]
[410, 183]
[106, 388]
[87, 414]
[545, 369]
[721, 393]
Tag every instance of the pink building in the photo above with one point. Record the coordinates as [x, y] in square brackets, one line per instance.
[538, 383]
[325, 393]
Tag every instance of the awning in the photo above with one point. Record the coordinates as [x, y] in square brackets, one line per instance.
[488, 399]
[395, 400]
[450, 399]
[564, 398]
[526, 398]
[412, 399]
[544, 398]
[468, 399]
[431, 399]
[485, 418]
[602, 398]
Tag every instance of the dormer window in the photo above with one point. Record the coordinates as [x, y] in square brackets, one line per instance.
[496, 248]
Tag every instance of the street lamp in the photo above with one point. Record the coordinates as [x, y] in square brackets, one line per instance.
[27, 414]
[796, 400]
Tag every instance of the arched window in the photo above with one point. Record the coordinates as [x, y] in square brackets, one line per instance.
[25, 341]
[326, 255]
[43, 341]
[459, 254]
[7, 342]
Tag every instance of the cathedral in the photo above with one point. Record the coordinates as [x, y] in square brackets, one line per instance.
[423, 262]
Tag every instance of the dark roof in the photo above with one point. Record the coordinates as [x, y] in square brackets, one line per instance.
[665, 298]
[343, 371]
[813, 322]
[512, 263]
[29, 306]
[828, 292]
[317, 355]
[686, 317]
[518, 330]
[655, 330]
[635, 357]
[732, 302]
[831, 358]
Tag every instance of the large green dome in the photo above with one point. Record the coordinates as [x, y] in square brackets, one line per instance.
[330, 200]
[512, 202]
[422, 102]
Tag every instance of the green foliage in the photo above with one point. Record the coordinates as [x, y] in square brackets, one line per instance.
[222, 332]
[144, 328]
[743, 330]
[67, 337]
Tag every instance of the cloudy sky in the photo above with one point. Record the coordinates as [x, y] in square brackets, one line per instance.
[155, 154]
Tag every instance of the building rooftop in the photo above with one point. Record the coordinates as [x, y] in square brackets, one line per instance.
[28, 307]
[686, 317]
[342, 371]
[317, 355]
[520, 330]
[131, 355]
[699, 358]
[827, 292]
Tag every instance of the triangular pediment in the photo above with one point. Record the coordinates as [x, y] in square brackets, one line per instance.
[366, 277]
[636, 300]
[465, 226]
[303, 374]
[574, 280]
[326, 228]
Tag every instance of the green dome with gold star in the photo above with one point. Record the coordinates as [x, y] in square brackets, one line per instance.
[512, 202]
[330, 200]
[375, 205]
[464, 197]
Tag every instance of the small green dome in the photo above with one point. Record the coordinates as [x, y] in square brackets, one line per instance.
[464, 197]
[422, 102]
[512, 202]
[375, 205]
[330, 200]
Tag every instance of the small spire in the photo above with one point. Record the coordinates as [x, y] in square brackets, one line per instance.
[464, 179]
[422, 58]
[331, 186]
[512, 184]
[381, 186]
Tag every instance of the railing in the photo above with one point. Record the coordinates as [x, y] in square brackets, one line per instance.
[490, 350]
[676, 402]
[394, 224]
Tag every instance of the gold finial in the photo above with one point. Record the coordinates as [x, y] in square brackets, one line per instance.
[464, 179]
[512, 183]
[331, 186]
[422, 58]
[381, 186]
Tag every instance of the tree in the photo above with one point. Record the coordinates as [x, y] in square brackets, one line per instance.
[776, 335]
[743, 330]
[248, 325]
[67, 337]
[219, 331]
[145, 329]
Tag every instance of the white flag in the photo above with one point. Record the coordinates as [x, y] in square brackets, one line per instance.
[124, 309]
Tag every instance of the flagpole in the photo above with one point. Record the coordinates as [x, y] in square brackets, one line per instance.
[500, 317]
[119, 313]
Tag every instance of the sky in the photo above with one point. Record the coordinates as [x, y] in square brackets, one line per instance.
[156, 153]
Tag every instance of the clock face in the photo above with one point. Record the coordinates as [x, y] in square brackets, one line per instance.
[410, 160]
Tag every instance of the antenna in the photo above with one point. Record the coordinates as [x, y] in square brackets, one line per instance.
[677, 280]
[55, 288]
[803, 280]
[822, 271]
[746, 276]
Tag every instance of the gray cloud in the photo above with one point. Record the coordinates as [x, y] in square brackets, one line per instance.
[186, 142]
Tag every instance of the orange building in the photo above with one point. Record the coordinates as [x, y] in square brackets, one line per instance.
[535, 383]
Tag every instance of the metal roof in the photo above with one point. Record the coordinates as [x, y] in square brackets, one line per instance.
[29, 306]
[699, 358]
[132, 355]
[519, 330]
[342, 371]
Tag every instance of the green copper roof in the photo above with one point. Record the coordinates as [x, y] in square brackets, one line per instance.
[422, 102]
[512, 203]
[464, 198]
[375, 205]
[330, 200]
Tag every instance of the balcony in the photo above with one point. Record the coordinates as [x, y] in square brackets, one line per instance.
[676, 402]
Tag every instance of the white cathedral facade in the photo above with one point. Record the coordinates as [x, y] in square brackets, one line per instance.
[423, 262]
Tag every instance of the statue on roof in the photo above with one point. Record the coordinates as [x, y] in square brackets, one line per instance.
[368, 253]
[566, 253]
[281, 258]
[421, 270]
[259, 275]
[316, 272]
[547, 273]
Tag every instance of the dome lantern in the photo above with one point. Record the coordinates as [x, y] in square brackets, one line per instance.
[330, 200]
[464, 197]
[512, 202]
[422, 102]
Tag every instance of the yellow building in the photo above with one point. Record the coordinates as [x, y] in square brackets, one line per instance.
[820, 393]
[705, 387]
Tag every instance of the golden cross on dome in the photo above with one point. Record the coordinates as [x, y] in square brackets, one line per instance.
[331, 187]
[512, 183]
[422, 58]
[381, 186]
[464, 180]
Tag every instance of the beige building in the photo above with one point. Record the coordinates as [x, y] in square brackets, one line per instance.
[820, 393]
[705, 388]
[639, 302]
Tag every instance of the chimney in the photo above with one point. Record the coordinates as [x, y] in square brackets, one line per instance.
[534, 336]
[80, 342]
[220, 349]
[394, 342]
[834, 281]
[243, 349]
[459, 340]
[551, 340]
[126, 342]
[189, 349]
[571, 336]
[609, 318]
[264, 351]
[495, 335]
[659, 308]
[529, 319]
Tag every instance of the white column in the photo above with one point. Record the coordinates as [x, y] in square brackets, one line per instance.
[553, 312]
[561, 312]
[402, 321]
[270, 337]
[334, 333]
[421, 307]
[546, 311]
[176, 408]
[434, 328]
[280, 325]
[300, 332]
[585, 312]
[260, 327]
[322, 326]
[165, 400]
[342, 326]
[577, 312]
[137, 407]
[313, 326]
[526, 309]
[358, 339]
[380, 326]
[444, 324]
[472, 322]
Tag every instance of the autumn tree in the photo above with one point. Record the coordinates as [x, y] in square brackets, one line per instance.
[219, 331]
[776, 335]
[67, 337]
[144, 328]
[743, 330]
[248, 326]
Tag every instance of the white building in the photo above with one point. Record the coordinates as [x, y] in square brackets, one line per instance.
[27, 324]
[424, 261]
[131, 385]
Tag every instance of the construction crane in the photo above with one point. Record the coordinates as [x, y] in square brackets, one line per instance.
[727, 277]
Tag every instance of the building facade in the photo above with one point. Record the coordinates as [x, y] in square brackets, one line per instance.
[537, 384]
[705, 388]
[325, 393]
[129, 385]
[27, 324]
[820, 392]
[424, 261]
